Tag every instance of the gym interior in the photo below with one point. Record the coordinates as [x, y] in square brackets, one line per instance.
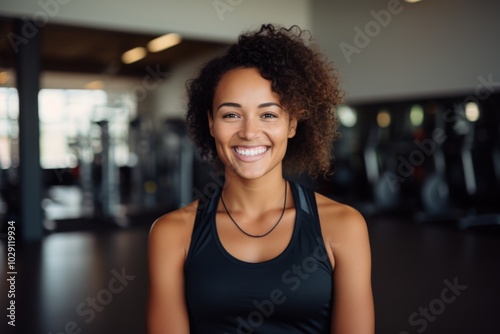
[94, 148]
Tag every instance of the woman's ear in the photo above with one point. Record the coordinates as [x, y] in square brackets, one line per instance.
[292, 127]
[210, 122]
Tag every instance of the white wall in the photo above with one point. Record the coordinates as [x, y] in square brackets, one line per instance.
[193, 18]
[429, 48]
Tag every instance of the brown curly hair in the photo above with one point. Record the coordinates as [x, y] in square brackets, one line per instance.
[305, 81]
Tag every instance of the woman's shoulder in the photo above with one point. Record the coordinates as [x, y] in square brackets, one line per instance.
[339, 221]
[177, 223]
[335, 210]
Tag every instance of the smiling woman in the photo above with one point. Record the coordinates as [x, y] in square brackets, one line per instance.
[301, 77]
[249, 126]
[263, 254]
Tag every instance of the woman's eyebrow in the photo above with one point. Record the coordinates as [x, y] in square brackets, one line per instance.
[269, 104]
[262, 105]
[229, 104]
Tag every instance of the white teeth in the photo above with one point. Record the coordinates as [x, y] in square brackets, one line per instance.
[251, 152]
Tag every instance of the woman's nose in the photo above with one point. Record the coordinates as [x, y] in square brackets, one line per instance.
[249, 129]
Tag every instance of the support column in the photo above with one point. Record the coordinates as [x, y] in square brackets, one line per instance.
[30, 172]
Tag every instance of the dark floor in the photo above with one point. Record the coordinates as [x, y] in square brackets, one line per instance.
[426, 279]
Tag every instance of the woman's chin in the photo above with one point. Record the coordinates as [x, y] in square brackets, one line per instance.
[250, 172]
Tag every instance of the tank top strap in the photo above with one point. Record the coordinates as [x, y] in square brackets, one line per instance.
[205, 211]
[306, 202]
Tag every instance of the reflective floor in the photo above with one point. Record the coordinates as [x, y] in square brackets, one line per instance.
[426, 279]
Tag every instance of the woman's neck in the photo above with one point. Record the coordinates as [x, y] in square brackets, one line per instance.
[255, 195]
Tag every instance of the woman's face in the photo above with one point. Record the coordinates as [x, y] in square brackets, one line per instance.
[249, 125]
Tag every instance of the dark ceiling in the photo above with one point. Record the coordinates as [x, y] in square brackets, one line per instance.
[85, 50]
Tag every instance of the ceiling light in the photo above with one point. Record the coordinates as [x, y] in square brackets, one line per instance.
[136, 54]
[164, 42]
[412, 1]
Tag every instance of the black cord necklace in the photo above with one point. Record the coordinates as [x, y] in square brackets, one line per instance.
[253, 235]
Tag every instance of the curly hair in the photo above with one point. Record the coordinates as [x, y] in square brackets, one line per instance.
[306, 83]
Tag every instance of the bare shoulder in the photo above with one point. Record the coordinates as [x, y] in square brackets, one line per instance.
[339, 222]
[345, 232]
[168, 245]
[177, 219]
[175, 228]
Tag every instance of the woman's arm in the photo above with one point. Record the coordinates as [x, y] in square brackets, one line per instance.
[345, 231]
[167, 249]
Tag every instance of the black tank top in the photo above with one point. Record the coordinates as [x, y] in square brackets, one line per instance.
[291, 293]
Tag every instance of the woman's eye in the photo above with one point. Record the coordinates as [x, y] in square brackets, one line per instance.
[269, 115]
[230, 115]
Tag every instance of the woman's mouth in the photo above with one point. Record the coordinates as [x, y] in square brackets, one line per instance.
[250, 151]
